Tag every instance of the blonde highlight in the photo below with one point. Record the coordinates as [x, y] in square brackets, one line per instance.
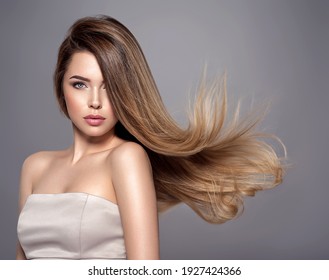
[212, 164]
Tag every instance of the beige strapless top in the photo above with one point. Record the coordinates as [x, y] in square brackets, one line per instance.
[70, 226]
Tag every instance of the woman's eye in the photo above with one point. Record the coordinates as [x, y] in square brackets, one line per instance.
[78, 85]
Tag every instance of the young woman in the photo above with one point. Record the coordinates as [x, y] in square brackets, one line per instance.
[129, 159]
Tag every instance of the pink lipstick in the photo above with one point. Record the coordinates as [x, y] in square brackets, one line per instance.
[94, 120]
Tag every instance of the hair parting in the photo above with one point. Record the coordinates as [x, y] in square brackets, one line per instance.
[210, 165]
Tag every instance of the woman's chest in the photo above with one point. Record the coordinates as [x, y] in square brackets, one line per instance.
[89, 176]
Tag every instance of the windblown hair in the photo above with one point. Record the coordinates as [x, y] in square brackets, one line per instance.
[210, 165]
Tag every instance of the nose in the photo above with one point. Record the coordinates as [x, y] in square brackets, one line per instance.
[95, 100]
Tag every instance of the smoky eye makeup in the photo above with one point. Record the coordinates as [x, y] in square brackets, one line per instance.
[78, 85]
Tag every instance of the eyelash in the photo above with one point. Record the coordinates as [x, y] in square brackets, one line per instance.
[78, 85]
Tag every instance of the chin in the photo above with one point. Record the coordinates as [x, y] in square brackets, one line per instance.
[100, 133]
[94, 131]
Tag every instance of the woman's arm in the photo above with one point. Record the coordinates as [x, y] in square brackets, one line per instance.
[19, 252]
[133, 183]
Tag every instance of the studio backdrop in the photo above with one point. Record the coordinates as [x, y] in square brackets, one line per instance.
[272, 51]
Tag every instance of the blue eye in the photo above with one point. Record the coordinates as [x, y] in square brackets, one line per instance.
[78, 85]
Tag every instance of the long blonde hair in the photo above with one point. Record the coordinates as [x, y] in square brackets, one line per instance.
[212, 164]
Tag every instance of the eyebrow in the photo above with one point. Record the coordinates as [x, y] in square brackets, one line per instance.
[80, 78]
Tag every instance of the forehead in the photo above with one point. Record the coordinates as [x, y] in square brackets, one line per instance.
[84, 64]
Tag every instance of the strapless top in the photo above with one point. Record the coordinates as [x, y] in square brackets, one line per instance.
[70, 226]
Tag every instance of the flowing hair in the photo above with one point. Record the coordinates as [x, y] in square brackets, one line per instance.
[210, 165]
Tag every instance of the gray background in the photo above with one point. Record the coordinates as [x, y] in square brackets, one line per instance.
[272, 50]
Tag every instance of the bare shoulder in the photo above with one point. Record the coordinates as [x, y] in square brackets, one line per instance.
[127, 154]
[130, 168]
[40, 159]
[35, 164]
[32, 167]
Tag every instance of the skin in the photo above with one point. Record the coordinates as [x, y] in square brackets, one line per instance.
[98, 162]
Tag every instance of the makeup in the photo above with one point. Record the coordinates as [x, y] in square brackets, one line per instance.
[94, 120]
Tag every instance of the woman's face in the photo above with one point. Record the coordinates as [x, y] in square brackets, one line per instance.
[86, 99]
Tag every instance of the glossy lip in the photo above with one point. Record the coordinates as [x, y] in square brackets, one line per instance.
[94, 117]
[94, 120]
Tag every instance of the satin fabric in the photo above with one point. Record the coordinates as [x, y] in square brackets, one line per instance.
[70, 226]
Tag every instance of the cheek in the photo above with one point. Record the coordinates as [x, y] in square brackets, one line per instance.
[112, 115]
[110, 110]
[73, 105]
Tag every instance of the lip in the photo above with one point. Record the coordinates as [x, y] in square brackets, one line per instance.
[98, 117]
[94, 120]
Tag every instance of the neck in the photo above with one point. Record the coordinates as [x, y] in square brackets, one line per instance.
[85, 145]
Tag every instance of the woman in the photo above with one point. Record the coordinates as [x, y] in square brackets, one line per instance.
[129, 159]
